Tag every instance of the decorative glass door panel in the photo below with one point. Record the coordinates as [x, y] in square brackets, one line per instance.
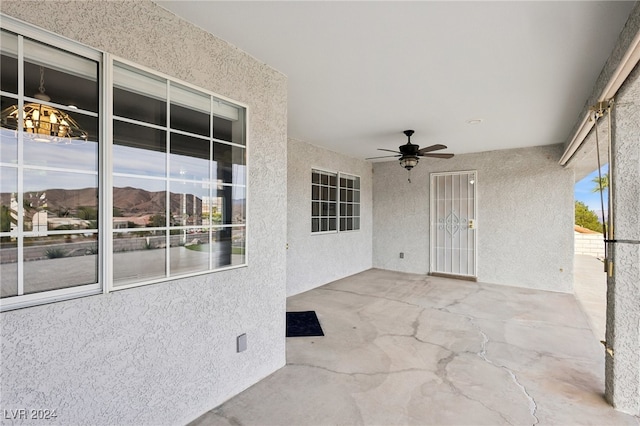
[453, 223]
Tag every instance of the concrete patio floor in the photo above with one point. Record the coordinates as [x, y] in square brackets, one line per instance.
[405, 349]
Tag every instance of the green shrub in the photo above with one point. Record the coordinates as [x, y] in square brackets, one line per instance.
[55, 253]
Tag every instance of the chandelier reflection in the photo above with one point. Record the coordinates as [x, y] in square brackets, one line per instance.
[43, 122]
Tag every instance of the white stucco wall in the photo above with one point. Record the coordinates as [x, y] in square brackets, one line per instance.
[164, 353]
[524, 221]
[316, 259]
[622, 384]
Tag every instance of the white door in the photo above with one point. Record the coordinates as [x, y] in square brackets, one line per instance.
[453, 224]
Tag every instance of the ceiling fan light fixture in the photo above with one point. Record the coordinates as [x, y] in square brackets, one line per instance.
[408, 162]
[42, 122]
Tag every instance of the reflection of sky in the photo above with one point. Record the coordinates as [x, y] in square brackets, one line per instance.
[8, 146]
[186, 167]
[8, 179]
[85, 157]
[75, 155]
[68, 156]
[239, 178]
[138, 161]
[40, 180]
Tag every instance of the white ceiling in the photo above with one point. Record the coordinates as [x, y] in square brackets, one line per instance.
[361, 72]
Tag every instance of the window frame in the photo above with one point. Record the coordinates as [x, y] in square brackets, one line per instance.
[338, 201]
[105, 178]
[353, 203]
[109, 211]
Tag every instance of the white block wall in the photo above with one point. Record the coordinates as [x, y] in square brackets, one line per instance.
[589, 244]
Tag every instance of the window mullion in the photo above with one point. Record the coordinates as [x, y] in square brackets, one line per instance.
[20, 207]
[167, 186]
[105, 181]
[211, 187]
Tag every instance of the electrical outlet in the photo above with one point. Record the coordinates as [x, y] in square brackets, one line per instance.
[401, 255]
[241, 342]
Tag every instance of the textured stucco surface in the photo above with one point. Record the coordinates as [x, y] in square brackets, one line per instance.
[623, 294]
[165, 353]
[524, 222]
[317, 259]
[628, 33]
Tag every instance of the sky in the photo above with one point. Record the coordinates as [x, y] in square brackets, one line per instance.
[583, 191]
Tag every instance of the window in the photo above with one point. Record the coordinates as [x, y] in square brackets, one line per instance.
[324, 190]
[49, 164]
[163, 197]
[181, 210]
[328, 192]
[349, 202]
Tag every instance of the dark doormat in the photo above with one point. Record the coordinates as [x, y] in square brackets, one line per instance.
[301, 324]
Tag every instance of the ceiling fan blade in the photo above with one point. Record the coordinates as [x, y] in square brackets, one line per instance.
[436, 155]
[384, 156]
[389, 150]
[431, 148]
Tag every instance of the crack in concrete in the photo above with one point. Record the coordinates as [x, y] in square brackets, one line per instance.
[370, 295]
[357, 373]
[533, 407]
[442, 373]
[234, 421]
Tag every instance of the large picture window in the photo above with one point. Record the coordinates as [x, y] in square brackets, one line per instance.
[178, 179]
[49, 164]
[335, 202]
[164, 196]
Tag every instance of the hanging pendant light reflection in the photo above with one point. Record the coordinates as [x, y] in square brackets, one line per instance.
[42, 122]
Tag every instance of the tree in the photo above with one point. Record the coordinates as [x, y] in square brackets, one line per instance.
[586, 218]
[157, 221]
[87, 213]
[601, 183]
[5, 219]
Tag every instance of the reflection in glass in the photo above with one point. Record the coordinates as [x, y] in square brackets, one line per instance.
[239, 207]
[8, 198]
[138, 150]
[8, 267]
[225, 158]
[190, 250]
[138, 107]
[8, 145]
[190, 110]
[229, 124]
[187, 203]
[189, 157]
[222, 246]
[9, 62]
[78, 155]
[139, 95]
[138, 256]
[138, 202]
[238, 246]
[59, 201]
[68, 78]
[60, 261]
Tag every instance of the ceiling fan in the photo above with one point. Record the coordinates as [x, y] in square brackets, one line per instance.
[409, 152]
